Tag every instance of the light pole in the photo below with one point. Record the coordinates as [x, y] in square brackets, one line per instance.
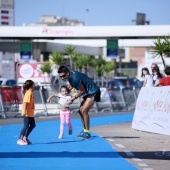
[87, 13]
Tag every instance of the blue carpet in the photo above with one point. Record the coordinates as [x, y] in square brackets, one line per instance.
[50, 153]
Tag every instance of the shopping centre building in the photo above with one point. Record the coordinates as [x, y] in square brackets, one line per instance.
[136, 41]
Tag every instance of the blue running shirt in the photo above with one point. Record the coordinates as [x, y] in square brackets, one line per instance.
[78, 78]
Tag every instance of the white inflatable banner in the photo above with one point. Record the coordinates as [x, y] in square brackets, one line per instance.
[152, 112]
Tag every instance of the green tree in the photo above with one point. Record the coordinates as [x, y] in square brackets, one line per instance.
[70, 50]
[108, 67]
[74, 59]
[46, 68]
[97, 65]
[161, 47]
[84, 59]
[57, 58]
[79, 61]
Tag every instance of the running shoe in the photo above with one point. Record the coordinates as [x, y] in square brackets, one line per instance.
[80, 135]
[27, 140]
[60, 136]
[86, 136]
[21, 142]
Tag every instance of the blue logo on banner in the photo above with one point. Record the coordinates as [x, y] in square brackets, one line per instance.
[112, 53]
[25, 55]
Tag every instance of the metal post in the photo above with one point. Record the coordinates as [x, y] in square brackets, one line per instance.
[3, 110]
[44, 104]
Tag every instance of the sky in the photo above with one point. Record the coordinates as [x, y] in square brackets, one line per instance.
[94, 12]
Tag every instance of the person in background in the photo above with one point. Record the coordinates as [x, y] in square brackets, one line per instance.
[65, 112]
[148, 80]
[165, 81]
[27, 113]
[87, 89]
[54, 75]
[154, 65]
[156, 75]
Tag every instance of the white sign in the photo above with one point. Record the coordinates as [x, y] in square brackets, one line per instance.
[152, 112]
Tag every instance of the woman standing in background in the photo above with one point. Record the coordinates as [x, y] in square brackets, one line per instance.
[148, 79]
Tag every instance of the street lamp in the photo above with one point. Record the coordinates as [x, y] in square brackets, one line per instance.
[87, 12]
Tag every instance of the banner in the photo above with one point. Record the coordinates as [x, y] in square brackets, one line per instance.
[32, 71]
[25, 51]
[112, 49]
[152, 112]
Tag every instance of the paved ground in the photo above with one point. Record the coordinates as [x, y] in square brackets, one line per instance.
[144, 150]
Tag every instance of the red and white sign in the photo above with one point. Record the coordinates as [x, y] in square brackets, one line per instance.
[32, 71]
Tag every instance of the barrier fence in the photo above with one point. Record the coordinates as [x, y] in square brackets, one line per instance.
[115, 99]
[10, 98]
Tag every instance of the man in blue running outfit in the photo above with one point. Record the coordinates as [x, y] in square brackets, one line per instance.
[86, 89]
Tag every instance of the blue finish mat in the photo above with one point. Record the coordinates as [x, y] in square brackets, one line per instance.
[50, 153]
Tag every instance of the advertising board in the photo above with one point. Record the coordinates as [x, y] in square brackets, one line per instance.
[33, 72]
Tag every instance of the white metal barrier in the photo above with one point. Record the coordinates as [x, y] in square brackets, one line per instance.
[119, 99]
[105, 103]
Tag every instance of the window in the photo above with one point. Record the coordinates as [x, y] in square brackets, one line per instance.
[4, 23]
[4, 12]
[4, 17]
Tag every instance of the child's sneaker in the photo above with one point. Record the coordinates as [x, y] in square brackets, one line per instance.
[70, 131]
[21, 142]
[27, 140]
[60, 136]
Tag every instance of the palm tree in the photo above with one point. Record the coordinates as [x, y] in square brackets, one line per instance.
[85, 59]
[57, 58]
[161, 47]
[167, 41]
[70, 50]
[109, 66]
[79, 61]
[97, 65]
[46, 68]
[74, 59]
[97, 70]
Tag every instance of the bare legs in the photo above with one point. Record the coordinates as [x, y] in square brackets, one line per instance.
[83, 112]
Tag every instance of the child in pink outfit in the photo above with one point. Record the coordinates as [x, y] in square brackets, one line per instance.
[64, 109]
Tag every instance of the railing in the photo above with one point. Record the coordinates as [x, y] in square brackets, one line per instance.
[10, 98]
[115, 99]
